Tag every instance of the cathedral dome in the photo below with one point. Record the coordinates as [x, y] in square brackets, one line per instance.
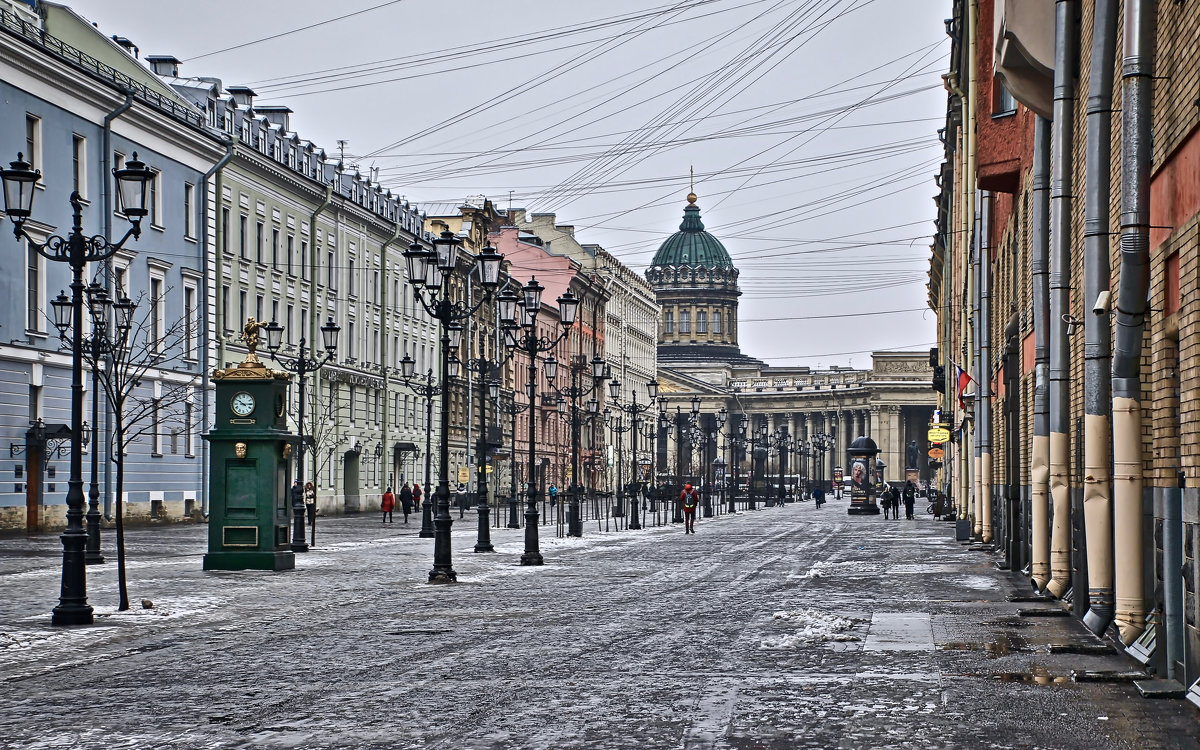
[691, 245]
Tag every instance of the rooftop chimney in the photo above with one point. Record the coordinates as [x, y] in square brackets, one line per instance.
[243, 95]
[164, 65]
[276, 114]
[129, 46]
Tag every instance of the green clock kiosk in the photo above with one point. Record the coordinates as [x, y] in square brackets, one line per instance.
[249, 510]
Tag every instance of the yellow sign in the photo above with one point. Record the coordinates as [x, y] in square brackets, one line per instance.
[489, 468]
[938, 435]
[464, 475]
[937, 453]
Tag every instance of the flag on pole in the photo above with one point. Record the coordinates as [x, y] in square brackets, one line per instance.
[962, 379]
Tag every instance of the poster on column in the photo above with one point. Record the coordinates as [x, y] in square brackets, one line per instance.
[860, 480]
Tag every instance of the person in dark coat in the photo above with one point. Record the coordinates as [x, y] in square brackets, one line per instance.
[406, 500]
[387, 505]
[910, 498]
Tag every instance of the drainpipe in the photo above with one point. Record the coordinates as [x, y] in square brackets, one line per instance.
[977, 370]
[313, 324]
[1136, 96]
[206, 268]
[1039, 459]
[1062, 140]
[1097, 353]
[970, 105]
[983, 404]
[106, 213]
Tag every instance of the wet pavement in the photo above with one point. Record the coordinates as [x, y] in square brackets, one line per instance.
[781, 628]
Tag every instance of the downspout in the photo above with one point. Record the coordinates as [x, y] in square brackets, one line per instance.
[389, 456]
[977, 371]
[1062, 142]
[1136, 95]
[230, 143]
[106, 213]
[970, 105]
[1039, 459]
[983, 404]
[1097, 352]
[313, 321]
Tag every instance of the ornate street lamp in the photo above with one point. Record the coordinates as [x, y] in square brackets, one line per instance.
[635, 412]
[76, 250]
[435, 297]
[305, 362]
[522, 336]
[426, 390]
[568, 405]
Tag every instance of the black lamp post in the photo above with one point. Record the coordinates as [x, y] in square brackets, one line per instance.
[780, 442]
[486, 369]
[736, 443]
[522, 336]
[102, 345]
[705, 428]
[509, 406]
[635, 412]
[426, 390]
[428, 272]
[804, 453]
[77, 250]
[821, 442]
[304, 363]
[580, 367]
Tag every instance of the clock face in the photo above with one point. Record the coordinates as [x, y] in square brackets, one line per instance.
[242, 404]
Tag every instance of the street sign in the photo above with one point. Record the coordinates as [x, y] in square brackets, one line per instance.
[937, 453]
[938, 435]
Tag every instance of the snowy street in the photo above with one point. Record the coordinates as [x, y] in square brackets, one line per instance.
[780, 628]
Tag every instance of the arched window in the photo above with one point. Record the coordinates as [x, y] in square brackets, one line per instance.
[701, 322]
[669, 322]
[685, 321]
[716, 321]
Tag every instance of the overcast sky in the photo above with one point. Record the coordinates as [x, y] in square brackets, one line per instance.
[810, 124]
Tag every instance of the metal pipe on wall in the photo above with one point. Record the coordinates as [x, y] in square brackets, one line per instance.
[1136, 100]
[976, 369]
[1097, 353]
[983, 405]
[1039, 459]
[1062, 140]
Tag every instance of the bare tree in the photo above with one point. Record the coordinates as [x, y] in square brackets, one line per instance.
[321, 432]
[132, 367]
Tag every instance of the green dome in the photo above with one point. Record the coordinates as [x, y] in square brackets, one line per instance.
[691, 245]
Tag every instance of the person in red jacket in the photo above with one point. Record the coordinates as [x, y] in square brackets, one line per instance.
[689, 498]
[387, 505]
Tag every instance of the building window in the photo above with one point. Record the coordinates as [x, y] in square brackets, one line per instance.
[189, 210]
[241, 307]
[685, 321]
[190, 315]
[33, 141]
[156, 427]
[304, 260]
[303, 322]
[157, 319]
[1003, 103]
[79, 165]
[258, 307]
[350, 280]
[353, 398]
[288, 325]
[225, 308]
[669, 322]
[153, 198]
[701, 322]
[118, 163]
[716, 321]
[274, 249]
[291, 255]
[225, 230]
[242, 239]
[330, 276]
[33, 290]
[258, 242]
[189, 424]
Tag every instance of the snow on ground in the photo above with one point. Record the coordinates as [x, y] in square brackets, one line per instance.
[812, 626]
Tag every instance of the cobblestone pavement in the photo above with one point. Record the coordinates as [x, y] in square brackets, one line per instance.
[781, 628]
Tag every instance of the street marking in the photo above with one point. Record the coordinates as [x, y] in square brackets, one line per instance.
[899, 631]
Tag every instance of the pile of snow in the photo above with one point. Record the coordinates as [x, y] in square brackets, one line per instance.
[813, 627]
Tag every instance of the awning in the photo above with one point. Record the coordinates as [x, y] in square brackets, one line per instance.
[405, 447]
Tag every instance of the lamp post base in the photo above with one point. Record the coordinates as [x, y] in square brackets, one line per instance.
[514, 514]
[484, 540]
[443, 575]
[531, 559]
[426, 520]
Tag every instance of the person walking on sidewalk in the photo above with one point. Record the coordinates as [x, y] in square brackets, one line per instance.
[553, 494]
[887, 500]
[910, 498]
[387, 505]
[417, 497]
[406, 500]
[690, 499]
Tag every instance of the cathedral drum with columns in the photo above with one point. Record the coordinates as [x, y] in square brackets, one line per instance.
[806, 418]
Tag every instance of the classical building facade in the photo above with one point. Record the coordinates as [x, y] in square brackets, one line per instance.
[77, 104]
[701, 363]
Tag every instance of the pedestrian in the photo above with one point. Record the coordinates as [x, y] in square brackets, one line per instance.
[387, 505]
[690, 499]
[460, 498]
[553, 494]
[310, 501]
[886, 500]
[910, 497]
[406, 500]
[417, 497]
[297, 494]
[818, 495]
